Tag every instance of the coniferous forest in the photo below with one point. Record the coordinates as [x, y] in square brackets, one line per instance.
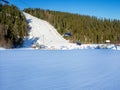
[83, 28]
[12, 26]
[86, 29]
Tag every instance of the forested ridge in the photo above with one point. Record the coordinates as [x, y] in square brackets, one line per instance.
[12, 26]
[86, 29]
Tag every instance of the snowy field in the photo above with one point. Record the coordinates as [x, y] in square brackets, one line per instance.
[60, 70]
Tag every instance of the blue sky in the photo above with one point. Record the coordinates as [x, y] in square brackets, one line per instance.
[100, 8]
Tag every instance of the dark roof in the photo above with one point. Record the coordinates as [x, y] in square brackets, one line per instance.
[68, 34]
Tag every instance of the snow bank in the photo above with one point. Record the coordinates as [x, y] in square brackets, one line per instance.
[2, 48]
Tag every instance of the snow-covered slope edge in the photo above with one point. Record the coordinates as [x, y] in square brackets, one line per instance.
[42, 34]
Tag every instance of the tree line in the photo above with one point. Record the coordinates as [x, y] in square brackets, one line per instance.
[86, 29]
[13, 26]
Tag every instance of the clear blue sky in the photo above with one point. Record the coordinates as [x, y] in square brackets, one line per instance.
[100, 8]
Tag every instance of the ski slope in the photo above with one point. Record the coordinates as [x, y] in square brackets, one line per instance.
[42, 33]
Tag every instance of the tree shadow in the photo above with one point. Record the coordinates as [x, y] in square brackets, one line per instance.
[29, 20]
[28, 42]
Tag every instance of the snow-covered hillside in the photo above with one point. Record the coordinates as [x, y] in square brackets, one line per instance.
[43, 34]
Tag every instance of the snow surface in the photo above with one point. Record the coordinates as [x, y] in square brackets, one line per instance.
[1, 48]
[42, 33]
[59, 70]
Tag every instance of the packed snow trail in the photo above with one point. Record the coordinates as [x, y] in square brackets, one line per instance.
[42, 33]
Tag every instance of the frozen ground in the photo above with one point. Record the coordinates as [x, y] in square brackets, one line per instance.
[59, 70]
